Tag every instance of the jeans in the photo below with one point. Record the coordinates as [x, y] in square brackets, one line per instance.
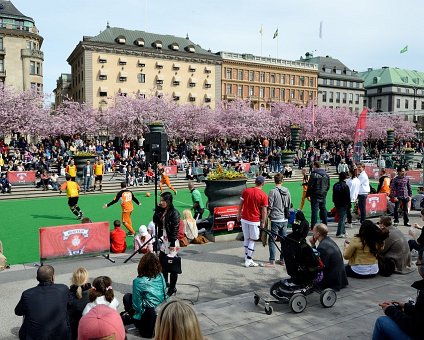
[349, 213]
[280, 229]
[362, 201]
[385, 328]
[315, 205]
[341, 211]
[418, 247]
[404, 209]
[87, 183]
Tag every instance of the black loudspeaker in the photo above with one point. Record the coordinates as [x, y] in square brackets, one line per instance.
[117, 142]
[155, 147]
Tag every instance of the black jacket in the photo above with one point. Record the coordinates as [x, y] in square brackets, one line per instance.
[44, 308]
[76, 306]
[341, 194]
[171, 223]
[409, 320]
[318, 185]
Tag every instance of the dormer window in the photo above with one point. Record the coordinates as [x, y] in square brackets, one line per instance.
[123, 76]
[121, 40]
[192, 82]
[157, 44]
[174, 46]
[102, 59]
[190, 49]
[192, 68]
[139, 42]
[140, 63]
[122, 61]
[159, 64]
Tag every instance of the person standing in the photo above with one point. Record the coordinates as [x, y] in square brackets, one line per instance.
[318, 186]
[252, 213]
[198, 205]
[126, 197]
[279, 201]
[71, 169]
[401, 192]
[165, 180]
[44, 308]
[305, 180]
[342, 167]
[383, 183]
[364, 190]
[341, 200]
[353, 184]
[72, 191]
[99, 170]
[87, 174]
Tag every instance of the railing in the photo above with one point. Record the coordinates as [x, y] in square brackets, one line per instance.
[26, 52]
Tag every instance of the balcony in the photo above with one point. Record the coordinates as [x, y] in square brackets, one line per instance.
[26, 52]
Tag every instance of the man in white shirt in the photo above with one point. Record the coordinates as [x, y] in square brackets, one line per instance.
[364, 190]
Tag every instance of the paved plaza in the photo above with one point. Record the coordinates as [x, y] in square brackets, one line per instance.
[222, 291]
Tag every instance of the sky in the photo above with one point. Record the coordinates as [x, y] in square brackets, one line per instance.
[360, 33]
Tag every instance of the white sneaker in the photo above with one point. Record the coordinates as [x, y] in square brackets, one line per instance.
[348, 225]
[340, 236]
[345, 234]
[253, 264]
[250, 263]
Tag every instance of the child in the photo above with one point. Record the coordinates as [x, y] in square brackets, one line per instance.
[144, 236]
[117, 238]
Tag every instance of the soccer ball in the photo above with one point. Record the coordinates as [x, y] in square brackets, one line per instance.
[147, 194]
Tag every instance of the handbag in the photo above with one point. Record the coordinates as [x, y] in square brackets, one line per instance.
[170, 264]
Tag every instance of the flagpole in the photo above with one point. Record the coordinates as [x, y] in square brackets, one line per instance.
[277, 46]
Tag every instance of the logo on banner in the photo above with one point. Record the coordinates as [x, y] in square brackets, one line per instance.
[373, 201]
[21, 176]
[75, 240]
[230, 225]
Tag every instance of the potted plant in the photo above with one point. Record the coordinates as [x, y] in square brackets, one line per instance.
[156, 126]
[295, 136]
[224, 187]
[390, 138]
[287, 156]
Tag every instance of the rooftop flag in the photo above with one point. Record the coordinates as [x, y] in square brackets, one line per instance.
[261, 31]
[275, 34]
[404, 50]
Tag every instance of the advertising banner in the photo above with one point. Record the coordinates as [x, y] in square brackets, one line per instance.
[415, 176]
[21, 177]
[225, 218]
[170, 170]
[73, 240]
[376, 205]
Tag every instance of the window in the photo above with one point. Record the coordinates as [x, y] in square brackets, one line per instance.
[32, 67]
[324, 96]
[272, 78]
[176, 81]
[398, 103]
[251, 91]
[192, 98]
[159, 65]
[123, 76]
[192, 82]
[176, 96]
[228, 73]
[141, 78]
[208, 99]
[337, 97]
[102, 60]
[338, 71]
[327, 70]
[208, 85]
[140, 63]
[407, 91]
[176, 66]
[292, 94]
[1, 43]
[120, 40]
[311, 82]
[228, 89]
[331, 97]
[311, 95]
[190, 49]
[350, 98]
[159, 80]
[356, 99]
[301, 94]
[122, 61]
[344, 98]
[406, 104]
[283, 94]
[240, 91]
[337, 82]
[291, 80]
[262, 77]
[192, 68]
[282, 79]
[251, 76]
[262, 92]
[208, 69]
[302, 81]
[1, 65]
[399, 90]
[103, 92]
[378, 104]
[240, 75]
[422, 105]
[348, 84]
[102, 75]
[351, 84]
[325, 81]
[331, 81]
[272, 92]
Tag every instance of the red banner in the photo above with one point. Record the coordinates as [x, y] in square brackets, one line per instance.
[244, 166]
[21, 177]
[361, 125]
[415, 176]
[170, 170]
[225, 218]
[73, 240]
[376, 205]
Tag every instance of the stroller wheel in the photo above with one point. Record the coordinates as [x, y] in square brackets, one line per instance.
[298, 303]
[268, 310]
[328, 298]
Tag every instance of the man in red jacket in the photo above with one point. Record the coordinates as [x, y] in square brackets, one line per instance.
[117, 238]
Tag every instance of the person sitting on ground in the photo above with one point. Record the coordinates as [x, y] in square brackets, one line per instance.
[5, 185]
[143, 241]
[101, 293]
[103, 323]
[44, 308]
[117, 238]
[53, 181]
[417, 243]
[177, 313]
[402, 320]
[78, 298]
[190, 227]
[334, 274]
[3, 259]
[288, 171]
[395, 255]
[148, 291]
[362, 251]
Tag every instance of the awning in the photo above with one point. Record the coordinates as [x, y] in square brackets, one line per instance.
[123, 90]
[159, 77]
[176, 66]
[207, 82]
[176, 79]
[123, 74]
[208, 69]
[193, 95]
[103, 89]
[176, 94]
[208, 96]
[141, 63]
[192, 67]
[159, 64]
[102, 58]
[122, 60]
[193, 80]
[103, 72]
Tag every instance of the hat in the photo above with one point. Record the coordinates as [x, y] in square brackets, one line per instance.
[143, 230]
[99, 322]
[260, 180]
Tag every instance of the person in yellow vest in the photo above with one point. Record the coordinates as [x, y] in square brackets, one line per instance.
[99, 170]
[72, 191]
[1, 162]
[71, 169]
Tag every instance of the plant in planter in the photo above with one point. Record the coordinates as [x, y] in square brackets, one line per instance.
[390, 138]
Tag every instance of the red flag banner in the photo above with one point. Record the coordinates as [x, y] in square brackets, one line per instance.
[358, 144]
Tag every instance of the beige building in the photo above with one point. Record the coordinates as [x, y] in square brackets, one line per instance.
[265, 80]
[21, 60]
[120, 61]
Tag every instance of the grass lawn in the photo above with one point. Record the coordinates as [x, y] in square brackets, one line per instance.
[22, 218]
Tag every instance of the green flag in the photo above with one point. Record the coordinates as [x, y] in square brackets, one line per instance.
[404, 50]
[275, 34]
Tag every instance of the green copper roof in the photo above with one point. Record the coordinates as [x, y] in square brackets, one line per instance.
[392, 76]
[110, 34]
[8, 10]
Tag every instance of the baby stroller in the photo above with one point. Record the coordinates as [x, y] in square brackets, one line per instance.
[305, 270]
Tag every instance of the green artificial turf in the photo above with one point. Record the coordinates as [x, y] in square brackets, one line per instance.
[21, 219]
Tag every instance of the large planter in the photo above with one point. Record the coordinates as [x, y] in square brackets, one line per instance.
[295, 137]
[80, 161]
[409, 156]
[221, 193]
[156, 127]
[390, 139]
[287, 158]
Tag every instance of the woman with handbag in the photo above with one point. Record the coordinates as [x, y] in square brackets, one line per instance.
[167, 218]
[149, 291]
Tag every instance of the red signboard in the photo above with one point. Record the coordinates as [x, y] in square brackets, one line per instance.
[170, 170]
[376, 205]
[21, 177]
[244, 166]
[225, 218]
[73, 240]
[415, 176]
